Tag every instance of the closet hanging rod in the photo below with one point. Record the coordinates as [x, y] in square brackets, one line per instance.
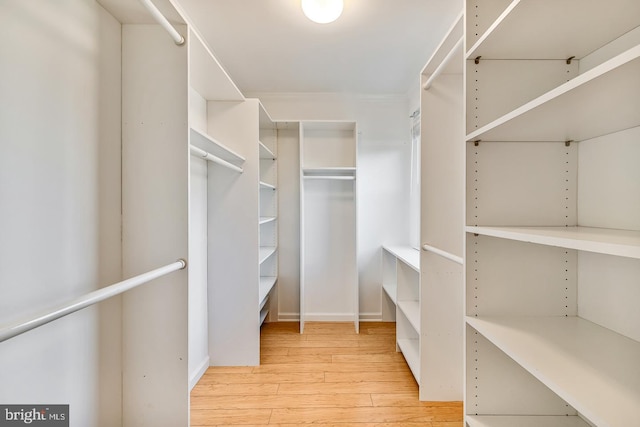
[444, 254]
[443, 64]
[86, 300]
[215, 159]
[336, 177]
[163, 21]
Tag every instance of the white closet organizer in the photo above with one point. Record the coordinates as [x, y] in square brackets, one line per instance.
[552, 213]
[401, 282]
[442, 221]
[328, 225]
[268, 220]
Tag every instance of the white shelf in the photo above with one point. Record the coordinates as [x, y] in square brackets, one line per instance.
[525, 421]
[599, 240]
[266, 252]
[342, 171]
[410, 351]
[564, 29]
[266, 285]
[392, 290]
[215, 147]
[265, 152]
[263, 315]
[569, 112]
[411, 310]
[267, 219]
[406, 254]
[266, 186]
[206, 75]
[592, 368]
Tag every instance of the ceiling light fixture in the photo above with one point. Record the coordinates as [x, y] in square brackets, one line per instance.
[322, 11]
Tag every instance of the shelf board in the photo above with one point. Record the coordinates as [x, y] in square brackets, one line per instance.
[337, 171]
[265, 152]
[599, 240]
[266, 186]
[410, 351]
[392, 290]
[525, 421]
[266, 252]
[578, 360]
[411, 310]
[266, 284]
[206, 75]
[406, 254]
[263, 315]
[266, 219]
[570, 29]
[568, 111]
[215, 147]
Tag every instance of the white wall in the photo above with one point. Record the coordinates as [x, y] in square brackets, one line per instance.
[60, 203]
[383, 175]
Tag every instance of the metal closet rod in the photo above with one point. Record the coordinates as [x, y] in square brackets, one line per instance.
[164, 22]
[442, 253]
[336, 177]
[86, 300]
[440, 68]
[215, 159]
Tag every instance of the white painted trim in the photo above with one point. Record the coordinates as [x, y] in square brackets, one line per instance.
[198, 373]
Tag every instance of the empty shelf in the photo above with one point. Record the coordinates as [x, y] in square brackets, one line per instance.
[525, 421]
[568, 111]
[406, 254]
[411, 310]
[266, 252]
[266, 186]
[266, 219]
[265, 152]
[410, 351]
[392, 290]
[578, 360]
[215, 147]
[564, 25]
[599, 240]
[266, 284]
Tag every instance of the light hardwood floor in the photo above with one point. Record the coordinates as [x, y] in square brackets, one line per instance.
[329, 376]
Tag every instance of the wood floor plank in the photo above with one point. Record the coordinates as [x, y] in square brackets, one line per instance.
[332, 367]
[296, 358]
[349, 387]
[214, 417]
[283, 401]
[263, 378]
[241, 389]
[384, 357]
[337, 350]
[364, 415]
[408, 399]
[340, 377]
[273, 351]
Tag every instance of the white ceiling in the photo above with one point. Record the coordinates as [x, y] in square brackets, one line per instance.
[375, 47]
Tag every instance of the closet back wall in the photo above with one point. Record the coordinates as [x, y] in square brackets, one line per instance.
[383, 153]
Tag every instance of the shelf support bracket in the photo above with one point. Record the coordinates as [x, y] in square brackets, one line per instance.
[569, 59]
[568, 143]
[477, 59]
[476, 142]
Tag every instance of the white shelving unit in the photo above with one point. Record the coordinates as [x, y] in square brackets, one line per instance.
[268, 221]
[328, 222]
[553, 214]
[401, 282]
[441, 280]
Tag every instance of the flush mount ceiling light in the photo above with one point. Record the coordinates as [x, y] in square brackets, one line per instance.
[322, 11]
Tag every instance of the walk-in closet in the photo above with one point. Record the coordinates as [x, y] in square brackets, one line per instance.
[218, 213]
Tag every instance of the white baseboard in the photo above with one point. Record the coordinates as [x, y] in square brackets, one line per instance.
[323, 317]
[198, 373]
